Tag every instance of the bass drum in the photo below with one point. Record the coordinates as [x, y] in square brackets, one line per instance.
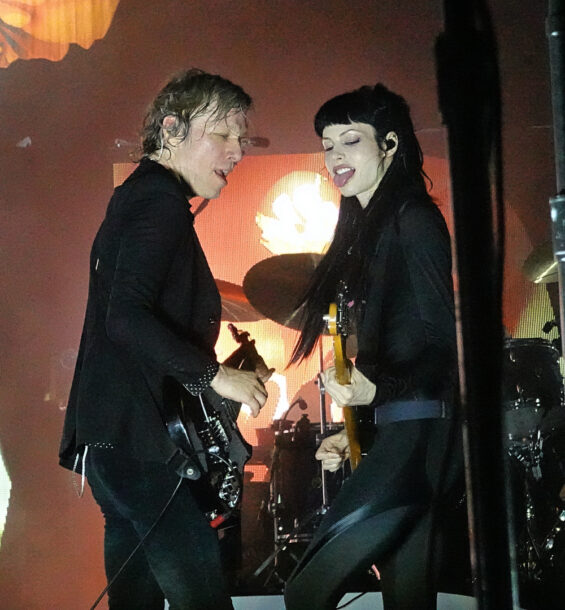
[296, 482]
[532, 388]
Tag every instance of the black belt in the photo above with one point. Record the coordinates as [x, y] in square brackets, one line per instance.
[402, 410]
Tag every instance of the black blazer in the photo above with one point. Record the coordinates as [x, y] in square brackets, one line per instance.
[153, 311]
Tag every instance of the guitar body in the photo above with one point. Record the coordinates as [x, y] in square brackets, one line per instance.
[205, 426]
[336, 326]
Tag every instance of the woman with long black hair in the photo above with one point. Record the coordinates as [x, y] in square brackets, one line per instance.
[391, 260]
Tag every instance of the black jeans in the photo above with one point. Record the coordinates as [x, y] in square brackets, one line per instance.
[180, 559]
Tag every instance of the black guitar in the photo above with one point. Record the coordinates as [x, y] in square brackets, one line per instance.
[205, 427]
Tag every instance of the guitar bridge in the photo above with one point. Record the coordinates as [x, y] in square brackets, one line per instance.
[214, 436]
[230, 490]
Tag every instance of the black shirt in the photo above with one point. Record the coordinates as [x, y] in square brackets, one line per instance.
[406, 337]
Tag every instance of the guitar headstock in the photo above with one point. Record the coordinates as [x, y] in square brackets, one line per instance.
[342, 320]
[338, 325]
[337, 318]
[240, 336]
[245, 356]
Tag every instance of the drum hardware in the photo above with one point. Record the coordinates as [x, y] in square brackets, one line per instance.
[552, 536]
[300, 490]
[275, 285]
[323, 421]
[529, 455]
[279, 424]
[292, 529]
[534, 426]
[235, 305]
[298, 447]
[532, 386]
[539, 518]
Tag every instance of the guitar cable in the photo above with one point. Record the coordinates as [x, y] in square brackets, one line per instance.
[121, 569]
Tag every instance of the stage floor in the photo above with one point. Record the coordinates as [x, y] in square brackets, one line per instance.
[369, 601]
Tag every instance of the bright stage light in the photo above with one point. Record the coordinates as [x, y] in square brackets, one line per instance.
[304, 220]
[5, 489]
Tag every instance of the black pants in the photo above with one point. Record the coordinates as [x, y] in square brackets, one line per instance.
[179, 561]
[386, 514]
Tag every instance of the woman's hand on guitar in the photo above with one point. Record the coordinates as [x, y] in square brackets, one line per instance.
[333, 451]
[241, 386]
[360, 391]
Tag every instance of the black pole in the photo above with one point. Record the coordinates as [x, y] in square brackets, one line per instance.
[469, 99]
[555, 30]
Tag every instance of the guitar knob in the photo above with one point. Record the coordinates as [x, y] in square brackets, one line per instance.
[189, 472]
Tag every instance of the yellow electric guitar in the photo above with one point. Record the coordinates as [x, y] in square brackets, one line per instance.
[337, 321]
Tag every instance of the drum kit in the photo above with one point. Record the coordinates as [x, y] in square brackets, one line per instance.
[534, 430]
[533, 424]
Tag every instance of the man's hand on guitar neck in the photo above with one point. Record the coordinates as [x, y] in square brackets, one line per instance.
[247, 387]
[333, 451]
[360, 391]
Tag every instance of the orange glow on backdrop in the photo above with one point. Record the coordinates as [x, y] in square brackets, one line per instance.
[32, 29]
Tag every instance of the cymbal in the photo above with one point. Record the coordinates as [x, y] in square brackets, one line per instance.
[274, 285]
[541, 267]
[235, 306]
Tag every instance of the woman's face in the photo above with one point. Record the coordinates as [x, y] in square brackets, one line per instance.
[354, 160]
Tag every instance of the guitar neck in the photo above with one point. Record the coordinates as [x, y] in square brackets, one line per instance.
[343, 376]
[342, 366]
[246, 358]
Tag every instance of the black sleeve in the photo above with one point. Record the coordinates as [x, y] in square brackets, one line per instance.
[148, 242]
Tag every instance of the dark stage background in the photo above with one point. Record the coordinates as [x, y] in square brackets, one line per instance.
[68, 122]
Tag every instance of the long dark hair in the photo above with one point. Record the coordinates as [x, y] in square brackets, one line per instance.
[357, 229]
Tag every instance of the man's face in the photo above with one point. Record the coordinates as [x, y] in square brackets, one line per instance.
[210, 151]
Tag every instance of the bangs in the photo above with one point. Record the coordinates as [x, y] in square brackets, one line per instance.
[353, 107]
